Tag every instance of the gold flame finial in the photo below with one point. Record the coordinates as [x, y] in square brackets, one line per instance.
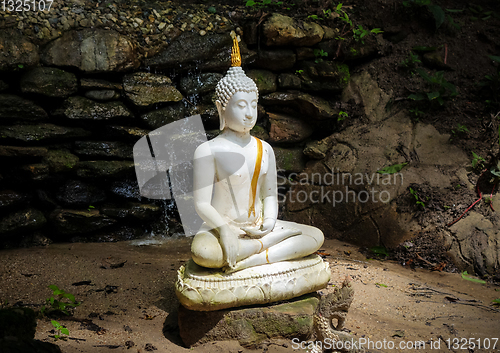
[235, 53]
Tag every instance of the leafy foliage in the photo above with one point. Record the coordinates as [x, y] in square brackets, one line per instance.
[60, 328]
[465, 275]
[440, 88]
[417, 199]
[392, 169]
[60, 301]
[477, 161]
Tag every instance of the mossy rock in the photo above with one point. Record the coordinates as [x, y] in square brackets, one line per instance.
[250, 326]
[60, 160]
[22, 221]
[49, 81]
[97, 169]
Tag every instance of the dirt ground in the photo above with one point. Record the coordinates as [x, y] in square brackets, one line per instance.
[133, 308]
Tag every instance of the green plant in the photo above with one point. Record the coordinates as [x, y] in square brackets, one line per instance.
[392, 169]
[417, 200]
[60, 301]
[60, 330]
[299, 72]
[359, 33]
[479, 13]
[460, 129]
[477, 161]
[342, 116]
[319, 53]
[262, 4]
[379, 251]
[416, 113]
[440, 88]
[465, 275]
[411, 62]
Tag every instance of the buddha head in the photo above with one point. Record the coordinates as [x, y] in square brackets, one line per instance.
[235, 90]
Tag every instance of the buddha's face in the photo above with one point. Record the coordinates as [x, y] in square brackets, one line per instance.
[240, 114]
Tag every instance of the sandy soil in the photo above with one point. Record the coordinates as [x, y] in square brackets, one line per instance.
[390, 300]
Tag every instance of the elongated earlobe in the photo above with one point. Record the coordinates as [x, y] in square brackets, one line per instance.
[221, 115]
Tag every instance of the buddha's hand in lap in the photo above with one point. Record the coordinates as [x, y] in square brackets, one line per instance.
[230, 246]
[255, 232]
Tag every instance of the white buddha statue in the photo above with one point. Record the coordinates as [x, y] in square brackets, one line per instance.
[248, 234]
[242, 253]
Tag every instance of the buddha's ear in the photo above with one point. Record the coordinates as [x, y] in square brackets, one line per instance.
[221, 115]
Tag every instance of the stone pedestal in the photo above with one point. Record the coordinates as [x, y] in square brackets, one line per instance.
[205, 289]
[251, 325]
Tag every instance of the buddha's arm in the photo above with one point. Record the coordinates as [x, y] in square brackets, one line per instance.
[204, 175]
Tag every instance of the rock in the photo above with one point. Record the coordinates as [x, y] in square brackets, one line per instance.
[3, 86]
[289, 159]
[128, 189]
[145, 89]
[14, 108]
[17, 322]
[40, 132]
[142, 212]
[200, 84]
[433, 148]
[304, 53]
[22, 221]
[95, 84]
[369, 47]
[300, 104]
[10, 198]
[318, 149]
[92, 50]
[474, 244]
[284, 30]
[259, 132]
[21, 52]
[78, 193]
[288, 129]
[80, 108]
[37, 171]
[92, 149]
[127, 133]
[288, 81]
[363, 89]
[434, 60]
[14, 344]
[215, 47]
[35, 239]
[276, 60]
[157, 118]
[324, 76]
[264, 79]
[250, 326]
[79, 221]
[60, 160]
[98, 169]
[22, 152]
[330, 33]
[103, 95]
[49, 82]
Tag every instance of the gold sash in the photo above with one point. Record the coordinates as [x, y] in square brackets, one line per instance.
[255, 178]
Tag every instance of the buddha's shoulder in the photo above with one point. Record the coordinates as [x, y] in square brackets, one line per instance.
[214, 145]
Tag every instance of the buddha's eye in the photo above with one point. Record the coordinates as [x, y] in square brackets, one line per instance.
[242, 105]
